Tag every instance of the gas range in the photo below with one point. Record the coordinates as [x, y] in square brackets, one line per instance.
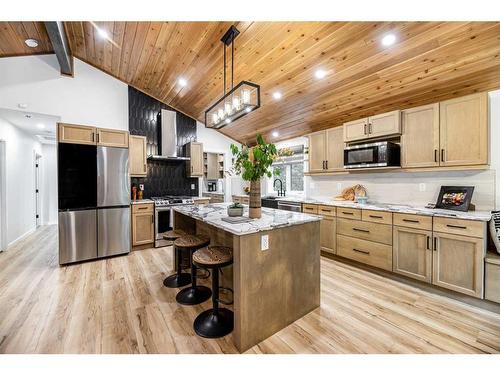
[171, 200]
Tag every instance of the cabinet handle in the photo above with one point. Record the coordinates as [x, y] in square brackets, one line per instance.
[361, 251]
[361, 230]
[436, 156]
[97, 137]
[365, 129]
[326, 210]
[442, 155]
[428, 242]
[456, 226]
[376, 217]
[435, 243]
[411, 221]
[326, 163]
[142, 208]
[370, 128]
[323, 164]
[347, 213]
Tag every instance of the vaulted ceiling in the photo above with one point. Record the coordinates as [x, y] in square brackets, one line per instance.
[430, 61]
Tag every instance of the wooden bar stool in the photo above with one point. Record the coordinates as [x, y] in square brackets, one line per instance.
[193, 294]
[216, 322]
[178, 279]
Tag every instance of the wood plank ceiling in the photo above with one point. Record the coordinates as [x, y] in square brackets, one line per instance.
[13, 35]
[430, 61]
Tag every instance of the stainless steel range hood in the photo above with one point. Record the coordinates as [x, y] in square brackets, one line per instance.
[167, 135]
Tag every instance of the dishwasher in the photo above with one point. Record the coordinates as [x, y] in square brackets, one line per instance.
[290, 206]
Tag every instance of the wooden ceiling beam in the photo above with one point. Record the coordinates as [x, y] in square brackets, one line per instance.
[57, 36]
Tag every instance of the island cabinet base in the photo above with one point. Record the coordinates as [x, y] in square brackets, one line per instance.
[274, 287]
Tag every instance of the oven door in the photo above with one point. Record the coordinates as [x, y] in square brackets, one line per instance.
[362, 156]
[163, 223]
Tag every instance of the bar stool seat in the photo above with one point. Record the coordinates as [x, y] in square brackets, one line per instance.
[178, 279]
[215, 322]
[193, 294]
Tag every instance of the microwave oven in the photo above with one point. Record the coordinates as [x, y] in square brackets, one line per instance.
[372, 155]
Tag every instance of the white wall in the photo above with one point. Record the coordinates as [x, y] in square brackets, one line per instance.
[213, 141]
[91, 97]
[20, 149]
[48, 189]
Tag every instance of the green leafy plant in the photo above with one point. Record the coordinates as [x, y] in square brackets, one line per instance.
[236, 205]
[253, 163]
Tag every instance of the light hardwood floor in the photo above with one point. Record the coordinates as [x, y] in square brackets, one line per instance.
[119, 305]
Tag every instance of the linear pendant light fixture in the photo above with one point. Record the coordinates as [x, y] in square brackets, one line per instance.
[240, 100]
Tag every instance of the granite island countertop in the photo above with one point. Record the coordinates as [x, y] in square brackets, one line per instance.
[397, 208]
[271, 218]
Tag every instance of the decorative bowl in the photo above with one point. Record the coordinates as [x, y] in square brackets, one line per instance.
[362, 200]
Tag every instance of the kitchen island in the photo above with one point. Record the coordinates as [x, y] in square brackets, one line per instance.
[272, 287]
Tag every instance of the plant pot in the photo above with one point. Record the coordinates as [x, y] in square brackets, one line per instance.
[234, 211]
[255, 200]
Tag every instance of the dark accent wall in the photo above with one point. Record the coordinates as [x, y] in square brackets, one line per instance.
[164, 177]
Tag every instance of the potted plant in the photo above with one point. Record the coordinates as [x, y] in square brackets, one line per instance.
[236, 209]
[253, 163]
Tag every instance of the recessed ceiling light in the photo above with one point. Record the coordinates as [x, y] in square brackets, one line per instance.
[320, 73]
[40, 126]
[27, 115]
[275, 134]
[182, 82]
[22, 105]
[228, 120]
[31, 43]
[389, 40]
[102, 33]
[277, 95]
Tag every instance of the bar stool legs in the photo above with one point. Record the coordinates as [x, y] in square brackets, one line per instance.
[193, 294]
[180, 278]
[216, 322]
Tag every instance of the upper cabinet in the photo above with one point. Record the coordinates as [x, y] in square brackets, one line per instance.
[326, 151]
[464, 130]
[112, 138]
[377, 126]
[137, 156]
[89, 135]
[420, 138]
[194, 150]
[84, 135]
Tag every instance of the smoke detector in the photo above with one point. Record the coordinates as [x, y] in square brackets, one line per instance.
[32, 43]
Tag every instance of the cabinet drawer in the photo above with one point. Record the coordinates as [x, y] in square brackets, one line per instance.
[382, 217]
[461, 227]
[326, 210]
[365, 230]
[142, 208]
[349, 213]
[310, 208]
[374, 254]
[413, 221]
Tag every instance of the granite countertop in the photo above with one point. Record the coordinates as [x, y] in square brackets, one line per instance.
[400, 208]
[213, 213]
[141, 201]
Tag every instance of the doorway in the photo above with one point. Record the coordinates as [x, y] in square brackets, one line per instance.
[3, 196]
[37, 161]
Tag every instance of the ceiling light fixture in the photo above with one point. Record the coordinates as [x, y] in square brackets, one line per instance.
[28, 115]
[320, 73]
[102, 33]
[31, 43]
[277, 95]
[275, 134]
[240, 100]
[182, 82]
[40, 126]
[389, 40]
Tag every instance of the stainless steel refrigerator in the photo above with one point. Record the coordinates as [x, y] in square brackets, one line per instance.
[94, 198]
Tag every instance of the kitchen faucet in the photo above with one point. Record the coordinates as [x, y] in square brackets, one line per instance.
[281, 191]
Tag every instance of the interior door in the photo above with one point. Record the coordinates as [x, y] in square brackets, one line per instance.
[317, 148]
[37, 190]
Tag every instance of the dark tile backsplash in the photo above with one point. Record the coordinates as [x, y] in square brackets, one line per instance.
[164, 177]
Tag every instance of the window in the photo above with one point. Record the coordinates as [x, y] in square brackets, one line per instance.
[291, 167]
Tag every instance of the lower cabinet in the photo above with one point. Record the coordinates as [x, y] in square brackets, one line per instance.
[458, 263]
[328, 234]
[368, 252]
[143, 232]
[412, 253]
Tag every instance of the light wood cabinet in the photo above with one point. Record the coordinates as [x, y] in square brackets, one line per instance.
[334, 149]
[142, 224]
[310, 208]
[458, 263]
[492, 277]
[328, 234]
[112, 138]
[137, 156]
[412, 253]
[371, 253]
[384, 124]
[194, 151]
[420, 137]
[317, 152]
[79, 134]
[212, 166]
[356, 130]
[464, 130]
